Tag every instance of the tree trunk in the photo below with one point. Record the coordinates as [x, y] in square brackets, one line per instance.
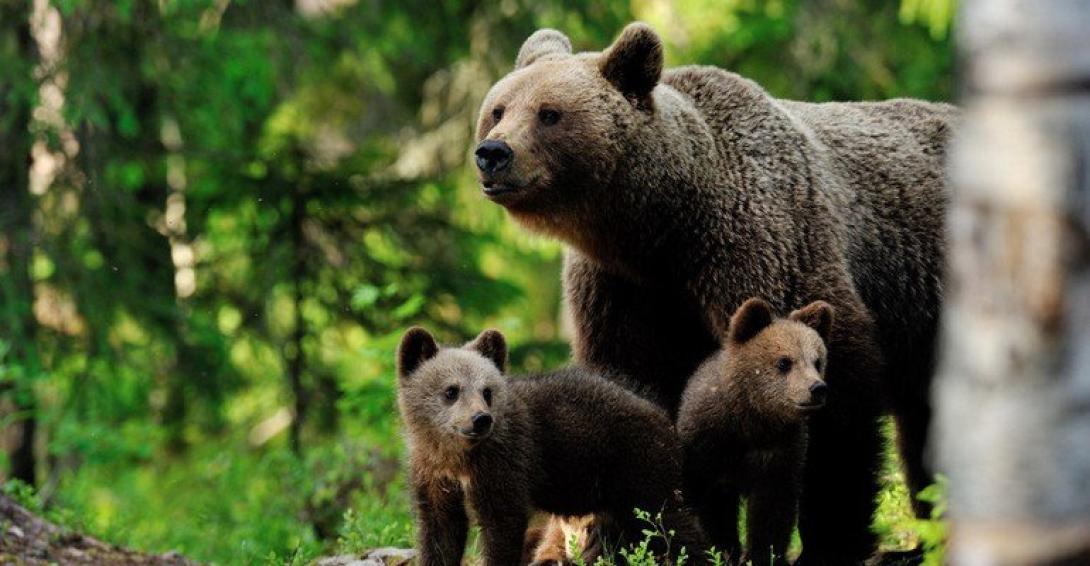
[17, 229]
[1013, 390]
[297, 359]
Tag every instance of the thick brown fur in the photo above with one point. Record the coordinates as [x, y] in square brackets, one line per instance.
[681, 201]
[742, 423]
[568, 443]
[561, 536]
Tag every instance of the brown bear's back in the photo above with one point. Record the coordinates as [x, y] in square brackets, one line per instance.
[593, 435]
[870, 172]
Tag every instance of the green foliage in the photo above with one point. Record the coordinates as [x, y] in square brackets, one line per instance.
[575, 551]
[371, 527]
[23, 494]
[936, 14]
[933, 532]
[249, 202]
[254, 503]
[640, 554]
[715, 557]
[27, 496]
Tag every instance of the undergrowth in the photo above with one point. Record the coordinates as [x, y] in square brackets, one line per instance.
[256, 504]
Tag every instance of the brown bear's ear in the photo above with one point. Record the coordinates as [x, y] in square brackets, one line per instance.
[417, 346]
[634, 62]
[817, 315]
[750, 319]
[492, 345]
[543, 42]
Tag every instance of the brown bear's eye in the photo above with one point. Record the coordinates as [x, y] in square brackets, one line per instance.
[487, 394]
[783, 364]
[497, 113]
[548, 117]
[451, 393]
[818, 363]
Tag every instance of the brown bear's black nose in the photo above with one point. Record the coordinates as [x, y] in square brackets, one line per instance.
[482, 423]
[493, 156]
[818, 391]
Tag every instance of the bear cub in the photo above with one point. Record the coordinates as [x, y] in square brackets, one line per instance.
[742, 424]
[568, 443]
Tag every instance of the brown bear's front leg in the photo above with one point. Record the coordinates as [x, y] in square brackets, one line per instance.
[840, 489]
[648, 335]
[652, 335]
[912, 410]
[442, 524]
[503, 513]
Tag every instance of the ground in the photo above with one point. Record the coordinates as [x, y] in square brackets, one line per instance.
[30, 540]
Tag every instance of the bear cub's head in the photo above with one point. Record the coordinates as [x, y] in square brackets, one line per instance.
[553, 130]
[780, 361]
[452, 393]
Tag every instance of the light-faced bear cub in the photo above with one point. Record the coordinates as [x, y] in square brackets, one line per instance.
[743, 427]
[567, 443]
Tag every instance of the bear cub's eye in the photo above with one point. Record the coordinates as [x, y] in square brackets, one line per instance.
[783, 364]
[497, 113]
[818, 363]
[451, 393]
[548, 116]
[487, 394]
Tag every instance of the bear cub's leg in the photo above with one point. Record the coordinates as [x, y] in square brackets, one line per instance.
[718, 512]
[442, 524]
[772, 508]
[503, 518]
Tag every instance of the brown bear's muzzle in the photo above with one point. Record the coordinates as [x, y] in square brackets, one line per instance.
[493, 156]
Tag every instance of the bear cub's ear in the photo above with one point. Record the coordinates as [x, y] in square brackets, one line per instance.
[492, 345]
[633, 63]
[541, 43]
[417, 346]
[817, 315]
[749, 320]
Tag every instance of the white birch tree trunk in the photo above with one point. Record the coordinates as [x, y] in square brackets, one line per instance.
[1013, 391]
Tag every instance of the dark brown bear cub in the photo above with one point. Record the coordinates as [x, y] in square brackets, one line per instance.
[568, 443]
[743, 427]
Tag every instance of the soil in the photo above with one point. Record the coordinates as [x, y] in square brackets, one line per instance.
[26, 539]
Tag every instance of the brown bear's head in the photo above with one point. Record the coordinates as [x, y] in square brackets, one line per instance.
[452, 393]
[780, 361]
[551, 133]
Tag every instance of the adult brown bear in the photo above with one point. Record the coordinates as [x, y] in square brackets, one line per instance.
[682, 193]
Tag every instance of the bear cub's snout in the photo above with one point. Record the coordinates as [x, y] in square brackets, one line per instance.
[818, 391]
[481, 425]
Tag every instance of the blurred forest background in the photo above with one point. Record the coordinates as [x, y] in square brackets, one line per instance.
[219, 215]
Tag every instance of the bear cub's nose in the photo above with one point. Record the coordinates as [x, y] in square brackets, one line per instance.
[493, 156]
[482, 423]
[818, 391]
